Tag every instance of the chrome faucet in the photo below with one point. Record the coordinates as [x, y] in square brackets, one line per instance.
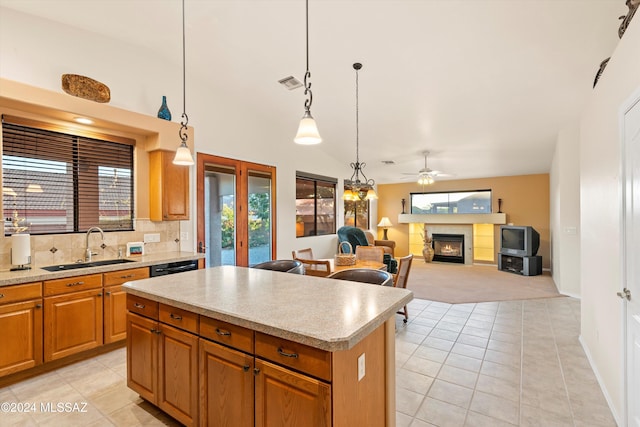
[87, 250]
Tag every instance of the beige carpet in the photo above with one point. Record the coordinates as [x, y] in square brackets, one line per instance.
[458, 283]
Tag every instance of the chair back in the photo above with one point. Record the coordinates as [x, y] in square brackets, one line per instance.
[316, 267]
[370, 253]
[285, 265]
[404, 266]
[364, 275]
[353, 235]
[306, 253]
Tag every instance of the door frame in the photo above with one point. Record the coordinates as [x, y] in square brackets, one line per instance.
[242, 169]
[627, 258]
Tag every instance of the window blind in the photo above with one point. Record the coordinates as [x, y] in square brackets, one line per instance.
[55, 182]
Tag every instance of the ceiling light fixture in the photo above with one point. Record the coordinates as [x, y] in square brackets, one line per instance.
[308, 130]
[425, 176]
[183, 154]
[83, 120]
[359, 189]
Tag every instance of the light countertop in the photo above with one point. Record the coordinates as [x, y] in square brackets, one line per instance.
[324, 313]
[37, 274]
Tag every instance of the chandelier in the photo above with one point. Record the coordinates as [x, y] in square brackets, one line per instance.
[358, 189]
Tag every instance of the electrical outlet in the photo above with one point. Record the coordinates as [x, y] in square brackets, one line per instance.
[361, 369]
[152, 238]
[184, 236]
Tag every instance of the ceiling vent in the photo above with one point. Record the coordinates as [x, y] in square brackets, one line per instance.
[388, 162]
[290, 82]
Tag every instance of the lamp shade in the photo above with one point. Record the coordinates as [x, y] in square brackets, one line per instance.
[307, 131]
[371, 195]
[183, 156]
[385, 222]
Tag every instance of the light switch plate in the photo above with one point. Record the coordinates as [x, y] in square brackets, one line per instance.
[152, 238]
[361, 369]
[184, 236]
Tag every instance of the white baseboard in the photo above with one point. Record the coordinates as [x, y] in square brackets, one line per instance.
[569, 294]
[607, 397]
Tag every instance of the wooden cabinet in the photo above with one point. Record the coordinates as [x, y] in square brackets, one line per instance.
[162, 365]
[21, 327]
[115, 302]
[168, 188]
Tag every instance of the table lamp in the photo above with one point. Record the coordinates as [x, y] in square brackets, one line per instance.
[385, 224]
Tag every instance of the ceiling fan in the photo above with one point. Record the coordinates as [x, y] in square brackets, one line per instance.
[426, 175]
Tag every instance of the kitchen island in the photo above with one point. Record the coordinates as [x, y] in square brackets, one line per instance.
[257, 347]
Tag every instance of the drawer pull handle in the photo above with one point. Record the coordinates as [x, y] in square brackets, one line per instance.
[282, 353]
[175, 316]
[38, 305]
[156, 331]
[100, 294]
[108, 293]
[137, 305]
[76, 283]
[128, 276]
[223, 333]
[1, 295]
[256, 371]
[246, 368]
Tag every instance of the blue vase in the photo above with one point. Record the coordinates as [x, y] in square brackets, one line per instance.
[163, 112]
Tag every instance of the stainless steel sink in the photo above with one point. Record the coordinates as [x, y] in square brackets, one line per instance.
[76, 265]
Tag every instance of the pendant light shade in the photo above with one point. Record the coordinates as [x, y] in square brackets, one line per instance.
[307, 130]
[183, 154]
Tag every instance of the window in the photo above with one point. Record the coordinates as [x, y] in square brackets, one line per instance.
[356, 213]
[56, 182]
[458, 202]
[315, 205]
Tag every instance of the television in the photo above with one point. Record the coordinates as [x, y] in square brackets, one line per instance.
[519, 240]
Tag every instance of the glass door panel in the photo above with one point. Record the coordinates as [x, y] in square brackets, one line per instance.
[259, 217]
[220, 215]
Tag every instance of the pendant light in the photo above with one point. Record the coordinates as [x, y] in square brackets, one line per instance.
[308, 130]
[359, 189]
[183, 154]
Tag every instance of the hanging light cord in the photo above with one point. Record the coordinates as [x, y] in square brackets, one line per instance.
[307, 75]
[357, 166]
[183, 128]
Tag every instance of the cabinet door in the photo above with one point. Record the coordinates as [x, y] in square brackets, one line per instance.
[142, 356]
[168, 188]
[226, 384]
[115, 314]
[21, 328]
[72, 323]
[288, 399]
[178, 374]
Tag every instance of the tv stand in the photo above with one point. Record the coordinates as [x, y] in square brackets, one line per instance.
[523, 265]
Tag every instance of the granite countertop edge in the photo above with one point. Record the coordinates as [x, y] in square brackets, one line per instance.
[37, 274]
[332, 345]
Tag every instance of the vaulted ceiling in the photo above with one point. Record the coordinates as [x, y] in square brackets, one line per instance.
[483, 85]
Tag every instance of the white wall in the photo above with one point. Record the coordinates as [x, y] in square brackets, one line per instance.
[564, 181]
[601, 214]
[225, 122]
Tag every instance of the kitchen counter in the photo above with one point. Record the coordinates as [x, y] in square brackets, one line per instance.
[37, 274]
[327, 314]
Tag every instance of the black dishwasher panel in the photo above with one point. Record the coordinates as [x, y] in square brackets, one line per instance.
[172, 268]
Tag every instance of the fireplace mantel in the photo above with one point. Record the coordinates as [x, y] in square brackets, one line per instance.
[492, 218]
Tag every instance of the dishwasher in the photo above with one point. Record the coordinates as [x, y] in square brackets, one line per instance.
[172, 268]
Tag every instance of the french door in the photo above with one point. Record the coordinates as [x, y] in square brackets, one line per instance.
[236, 211]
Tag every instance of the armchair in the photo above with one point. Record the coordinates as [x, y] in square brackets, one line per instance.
[389, 246]
[356, 237]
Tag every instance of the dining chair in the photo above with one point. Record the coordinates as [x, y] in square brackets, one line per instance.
[316, 267]
[285, 265]
[306, 253]
[400, 280]
[370, 253]
[364, 275]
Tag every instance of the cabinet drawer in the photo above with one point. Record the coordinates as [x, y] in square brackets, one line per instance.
[179, 318]
[122, 276]
[300, 357]
[225, 333]
[20, 292]
[72, 284]
[142, 306]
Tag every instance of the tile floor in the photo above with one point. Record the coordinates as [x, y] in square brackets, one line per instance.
[486, 364]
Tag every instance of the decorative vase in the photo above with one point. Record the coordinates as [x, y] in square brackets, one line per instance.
[427, 253]
[163, 112]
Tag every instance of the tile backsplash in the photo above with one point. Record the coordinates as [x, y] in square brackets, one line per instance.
[54, 249]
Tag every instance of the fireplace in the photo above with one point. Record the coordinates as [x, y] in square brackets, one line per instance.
[448, 247]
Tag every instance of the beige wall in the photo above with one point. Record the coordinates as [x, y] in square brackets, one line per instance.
[525, 200]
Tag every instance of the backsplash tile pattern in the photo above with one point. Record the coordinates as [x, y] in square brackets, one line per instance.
[70, 247]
